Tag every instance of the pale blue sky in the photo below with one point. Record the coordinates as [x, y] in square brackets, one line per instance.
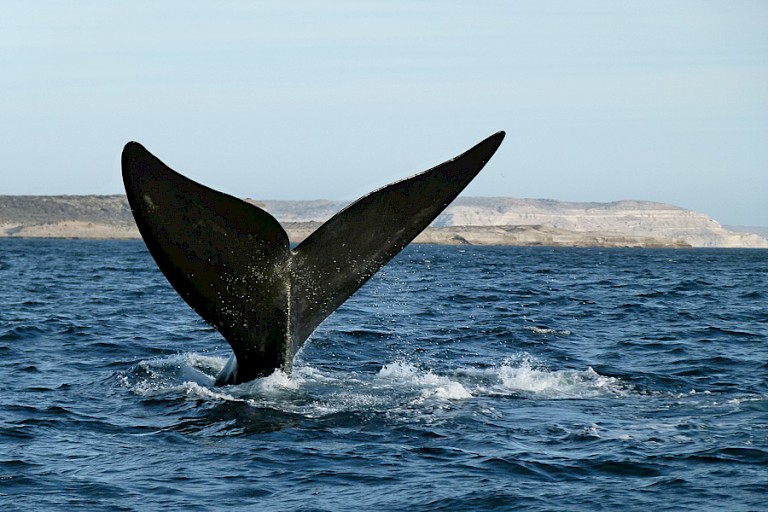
[601, 100]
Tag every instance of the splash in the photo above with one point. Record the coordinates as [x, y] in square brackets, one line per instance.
[162, 375]
[276, 384]
[398, 388]
[523, 375]
[430, 384]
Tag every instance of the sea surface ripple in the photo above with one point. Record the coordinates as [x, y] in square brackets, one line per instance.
[459, 378]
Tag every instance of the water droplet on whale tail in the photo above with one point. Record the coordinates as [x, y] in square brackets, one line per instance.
[232, 263]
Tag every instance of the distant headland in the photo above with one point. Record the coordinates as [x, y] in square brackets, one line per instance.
[468, 220]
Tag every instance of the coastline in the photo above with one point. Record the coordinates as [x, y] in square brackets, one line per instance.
[467, 221]
[298, 231]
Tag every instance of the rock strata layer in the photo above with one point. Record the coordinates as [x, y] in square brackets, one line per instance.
[469, 220]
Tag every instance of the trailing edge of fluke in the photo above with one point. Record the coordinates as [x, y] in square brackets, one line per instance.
[232, 263]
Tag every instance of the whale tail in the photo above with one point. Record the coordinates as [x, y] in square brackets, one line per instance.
[232, 263]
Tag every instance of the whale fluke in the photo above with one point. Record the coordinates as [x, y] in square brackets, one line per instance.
[232, 263]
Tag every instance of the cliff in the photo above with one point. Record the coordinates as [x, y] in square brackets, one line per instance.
[470, 220]
[629, 218]
[549, 222]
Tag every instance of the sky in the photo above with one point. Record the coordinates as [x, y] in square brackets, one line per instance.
[601, 100]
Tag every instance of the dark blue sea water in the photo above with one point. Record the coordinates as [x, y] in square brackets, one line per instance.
[459, 378]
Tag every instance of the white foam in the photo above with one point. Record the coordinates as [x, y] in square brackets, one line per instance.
[452, 391]
[546, 330]
[194, 390]
[172, 373]
[399, 388]
[399, 370]
[429, 384]
[527, 377]
[275, 384]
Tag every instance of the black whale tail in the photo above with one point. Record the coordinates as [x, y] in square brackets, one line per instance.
[232, 263]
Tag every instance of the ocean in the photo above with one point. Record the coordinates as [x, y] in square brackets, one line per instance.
[458, 378]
